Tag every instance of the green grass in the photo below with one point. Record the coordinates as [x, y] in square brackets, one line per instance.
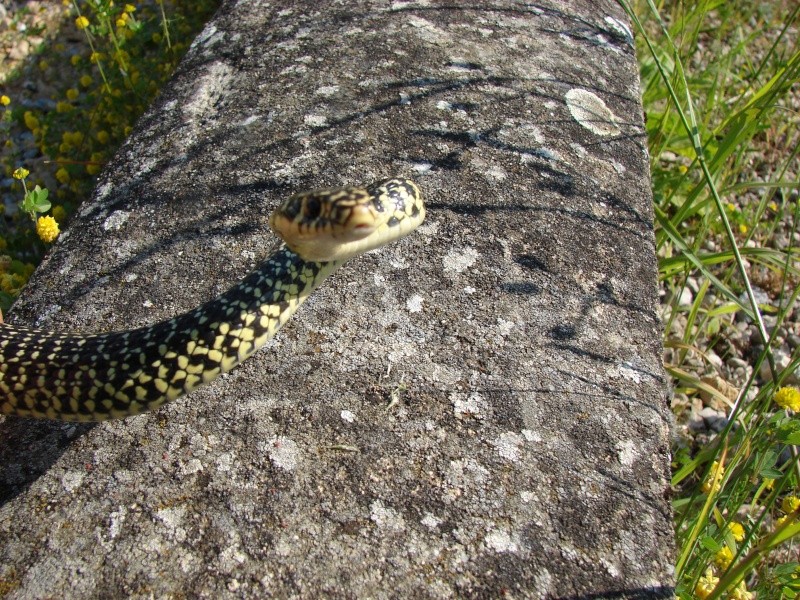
[717, 81]
[98, 88]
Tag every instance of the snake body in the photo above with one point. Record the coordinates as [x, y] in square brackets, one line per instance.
[113, 375]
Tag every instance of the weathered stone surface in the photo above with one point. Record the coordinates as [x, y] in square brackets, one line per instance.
[478, 410]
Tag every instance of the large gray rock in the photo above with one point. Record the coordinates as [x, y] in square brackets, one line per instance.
[475, 411]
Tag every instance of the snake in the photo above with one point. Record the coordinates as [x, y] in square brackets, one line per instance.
[96, 377]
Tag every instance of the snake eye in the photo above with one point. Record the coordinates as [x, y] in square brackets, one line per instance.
[313, 208]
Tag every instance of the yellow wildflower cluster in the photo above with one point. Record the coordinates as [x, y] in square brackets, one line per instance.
[788, 397]
[31, 122]
[740, 592]
[12, 282]
[712, 482]
[723, 558]
[47, 229]
[125, 18]
[790, 504]
[706, 584]
[736, 530]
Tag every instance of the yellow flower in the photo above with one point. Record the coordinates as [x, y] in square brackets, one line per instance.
[3, 243]
[75, 59]
[5, 100]
[742, 228]
[737, 531]
[63, 107]
[712, 484]
[96, 164]
[102, 136]
[706, 584]
[21, 173]
[62, 175]
[790, 504]
[740, 592]
[47, 229]
[31, 122]
[43, 65]
[723, 558]
[773, 206]
[86, 80]
[129, 8]
[122, 21]
[73, 94]
[81, 22]
[788, 397]
[96, 57]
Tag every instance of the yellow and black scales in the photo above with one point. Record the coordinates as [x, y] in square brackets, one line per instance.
[113, 375]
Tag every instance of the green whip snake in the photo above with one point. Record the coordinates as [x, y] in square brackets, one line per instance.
[67, 377]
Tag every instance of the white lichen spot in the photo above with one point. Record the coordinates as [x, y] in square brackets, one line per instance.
[147, 304]
[430, 521]
[444, 105]
[427, 31]
[531, 436]
[626, 452]
[115, 521]
[500, 540]
[626, 372]
[386, 518]
[504, 327]
[348, 416]
[469, 290]
[172, 517]
[422, 167]
[116, 220]
[225, 462]
[131, 277]
[467, 473]
[328, 90]
[249, 120]
[459, 260]
[72, 480]
[284, 453]
[414, 303]
[191, 466]
[526, 496]
[591, 112]
[473, 406]
[315, 120]
[230, 558]
[508, 445]
[610, 567]
[496, 173]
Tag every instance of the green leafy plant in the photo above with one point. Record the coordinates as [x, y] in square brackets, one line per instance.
[717, 79]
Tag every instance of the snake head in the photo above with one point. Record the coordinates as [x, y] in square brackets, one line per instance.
[336, 224]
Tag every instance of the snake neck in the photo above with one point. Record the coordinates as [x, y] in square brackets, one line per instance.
[111, 375]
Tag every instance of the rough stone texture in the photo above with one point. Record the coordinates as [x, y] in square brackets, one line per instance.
[476, 411]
